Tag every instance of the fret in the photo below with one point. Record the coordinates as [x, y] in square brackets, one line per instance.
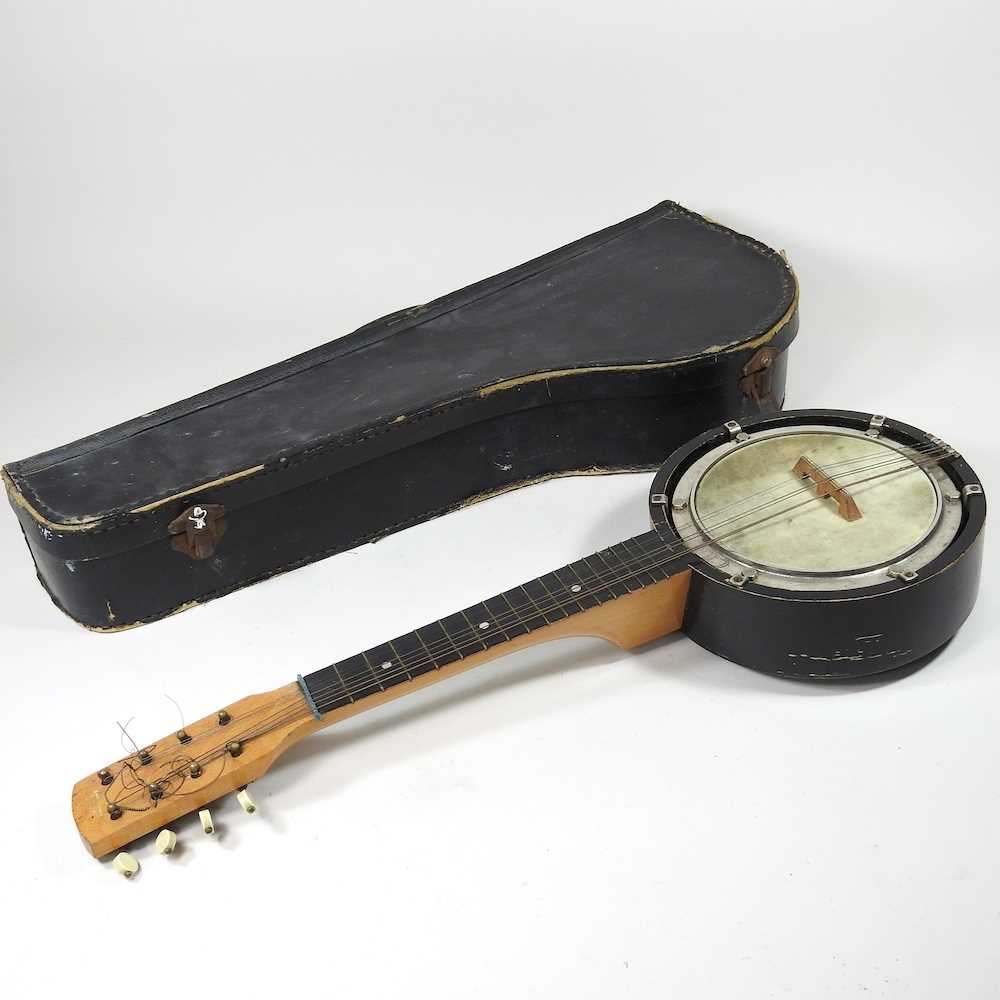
[327, 689]
[610, 573]
[561, 595]
[524, 606]
[501, 611]
[548, 601]
[357, 676]
[412, 654]
[388, 667]
[642, 566]
[521, 607]
[435, 640]
[547, 606]
[585, 576]
[603, 586]
[554, 602]
[371, 670]
[575, 590]
[649, 556]
[462, 635]
[618, 571]
[670, 551]
[485, 625]
[636, 563]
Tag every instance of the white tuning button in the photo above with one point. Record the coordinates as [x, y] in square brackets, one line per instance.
[125, 864]
[243, 797]
[166, 842]
[206, 821]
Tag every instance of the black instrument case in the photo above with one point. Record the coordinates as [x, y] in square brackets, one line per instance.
[602, 356]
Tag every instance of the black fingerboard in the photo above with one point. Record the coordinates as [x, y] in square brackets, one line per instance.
[596, 579]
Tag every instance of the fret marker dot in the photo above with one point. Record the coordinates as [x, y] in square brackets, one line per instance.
[386, 665]
[484, 624]
[576, 588]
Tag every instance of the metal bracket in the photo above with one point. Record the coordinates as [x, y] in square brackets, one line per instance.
[757, 382]
[742, 576]
[875, 425]
[898, 573]
[198, 530]
[658, 498]
[736, 433]
[972, 490]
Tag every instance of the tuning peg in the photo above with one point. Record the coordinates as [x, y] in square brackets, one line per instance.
[243, 797]
[125, 864]
[206, 821]
[166, 842]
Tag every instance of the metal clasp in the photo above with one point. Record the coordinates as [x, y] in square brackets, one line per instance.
[758, 380]
[198, 530]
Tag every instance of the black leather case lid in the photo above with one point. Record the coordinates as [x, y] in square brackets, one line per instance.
[665, 287]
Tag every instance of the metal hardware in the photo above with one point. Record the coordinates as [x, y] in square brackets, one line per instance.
[972, 490]
[953, 497]
[742, 576]
[105, 775]
[224, 718]
[735, 431]
[234, 748]
[183, 736]
[114, 811]
[145, 757]
[155, 791]
[195, 770]
[757, 382]
[658, 498]
[875, 425]
[906, 575]
[198, 530]
[679, 505]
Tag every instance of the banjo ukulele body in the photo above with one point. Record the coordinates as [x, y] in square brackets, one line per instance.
[882, 593]
[816, 545]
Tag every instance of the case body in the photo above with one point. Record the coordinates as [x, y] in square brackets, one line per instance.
[602, 356]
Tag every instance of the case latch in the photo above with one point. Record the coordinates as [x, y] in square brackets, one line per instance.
[758, 382]
[198, 530]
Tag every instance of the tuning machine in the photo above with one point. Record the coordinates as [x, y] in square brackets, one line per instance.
[125, 864]
[244, 799]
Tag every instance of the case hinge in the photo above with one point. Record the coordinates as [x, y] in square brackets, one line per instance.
[198, 530]
[757, 382]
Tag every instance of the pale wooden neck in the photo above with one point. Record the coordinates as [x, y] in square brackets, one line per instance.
[627, 621]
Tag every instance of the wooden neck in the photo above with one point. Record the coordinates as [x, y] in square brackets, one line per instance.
[605, 595]
[635, 618]
[578, 599]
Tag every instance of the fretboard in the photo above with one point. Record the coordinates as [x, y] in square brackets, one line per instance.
[604, 576]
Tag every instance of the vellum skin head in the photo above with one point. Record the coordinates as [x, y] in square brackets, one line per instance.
[897, 510]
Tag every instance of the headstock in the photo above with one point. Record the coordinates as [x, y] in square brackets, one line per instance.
[184, 771]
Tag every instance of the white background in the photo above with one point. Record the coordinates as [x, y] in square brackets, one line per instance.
[193, 190]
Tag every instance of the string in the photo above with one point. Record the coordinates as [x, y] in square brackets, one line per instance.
[535, 610]
[635, 567]
[281, 713]
[339, 688]
[520, 612]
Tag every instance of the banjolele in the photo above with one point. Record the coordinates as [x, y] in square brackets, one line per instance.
[819, 545]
